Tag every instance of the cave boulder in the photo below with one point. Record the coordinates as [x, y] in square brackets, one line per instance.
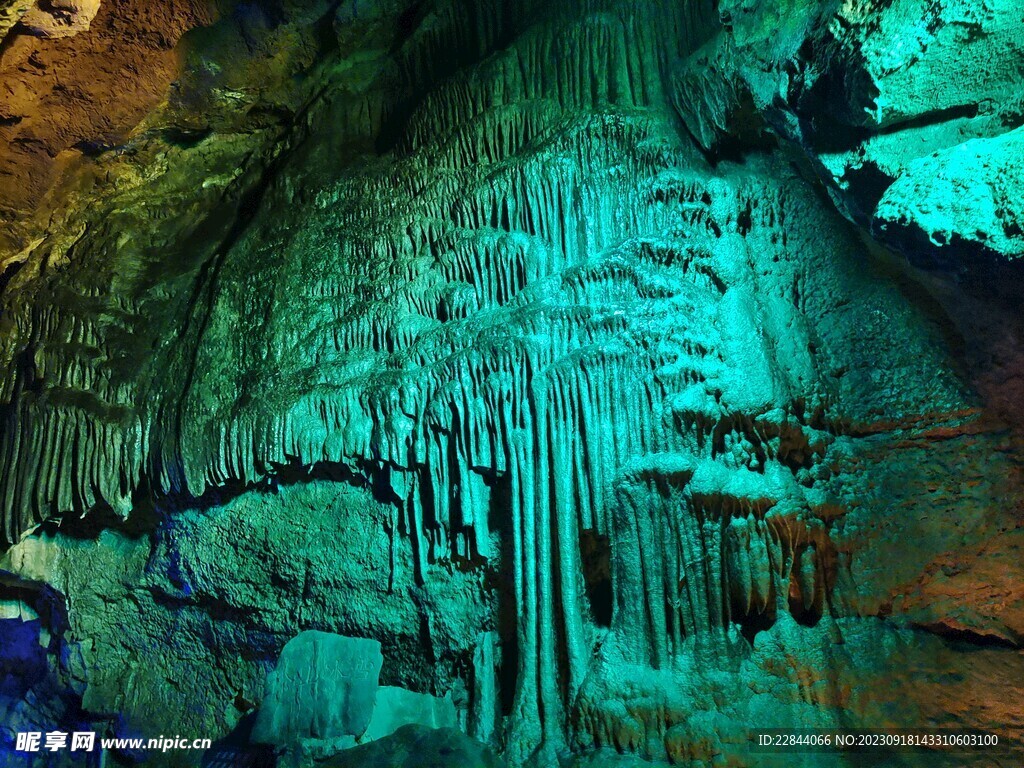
[397, 707]
[323, 689]
[965, 199]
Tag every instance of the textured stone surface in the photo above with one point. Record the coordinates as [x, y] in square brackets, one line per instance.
[397, 707]
[60, 18]
[875, 93]
[223, 592]
[63, 101]
[324, 687]
[523, 340]
[11, 12]
[965, 199]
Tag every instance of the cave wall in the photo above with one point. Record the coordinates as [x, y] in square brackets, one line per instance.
[566, 351]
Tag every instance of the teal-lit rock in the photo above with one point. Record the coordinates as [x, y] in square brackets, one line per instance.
[561, 367]
[963, 199]
[397, 707]
[323, 688]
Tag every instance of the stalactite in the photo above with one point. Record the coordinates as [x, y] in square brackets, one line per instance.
[540, 288]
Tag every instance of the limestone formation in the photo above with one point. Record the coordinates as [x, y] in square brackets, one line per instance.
[964, 198]
[871, 91]
[324, 687]
[11, 12]
[396, 708]
[564, 364]
[60, 18]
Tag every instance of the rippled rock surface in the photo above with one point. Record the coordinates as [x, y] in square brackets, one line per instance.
[572, 354]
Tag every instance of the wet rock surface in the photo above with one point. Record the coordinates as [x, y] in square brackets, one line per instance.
[561, 351]
[883, 97]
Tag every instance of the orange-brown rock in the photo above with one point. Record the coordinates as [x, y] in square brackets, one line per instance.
[83, 93]
[972, 592]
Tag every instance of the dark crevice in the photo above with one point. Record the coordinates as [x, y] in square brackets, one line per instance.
[595, 557]
[751, 624]
[966, 636]
[499, 580]
[8, 274]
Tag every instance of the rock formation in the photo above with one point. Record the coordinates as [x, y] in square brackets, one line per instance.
[908, 110]
[60, 18]
[11, 12]
[569, 352]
